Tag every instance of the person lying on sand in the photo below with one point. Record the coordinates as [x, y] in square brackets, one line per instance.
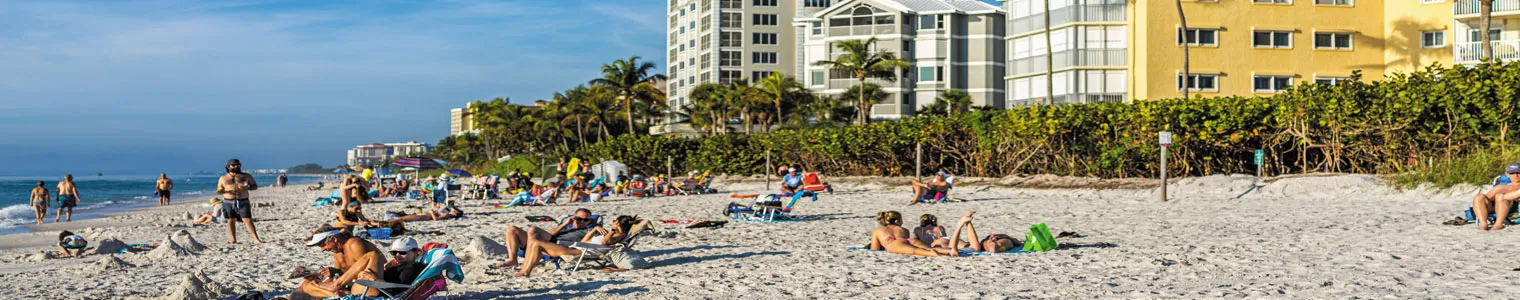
[892, 237]
[1487, 202]
[937, 188]
[353, 215]
[595, 235]
[353, 259]
[70, 241]
[440, 211]
[211, 216]
[574, 228]
[992, 243]
[315, 187]
[930, 233]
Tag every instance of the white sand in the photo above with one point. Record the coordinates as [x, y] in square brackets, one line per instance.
[1302, 237]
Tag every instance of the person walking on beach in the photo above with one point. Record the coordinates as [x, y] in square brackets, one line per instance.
[234, 187]
[68, 198]
[40, 200]
[163, 189]
[281, 180]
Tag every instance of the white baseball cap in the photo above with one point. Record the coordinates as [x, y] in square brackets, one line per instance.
[316, 239]
[404, 245]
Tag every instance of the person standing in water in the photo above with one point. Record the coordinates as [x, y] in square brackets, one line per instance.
[281, 180]
[68, 198]
[163, 189]
[40, 200]
[234, 187]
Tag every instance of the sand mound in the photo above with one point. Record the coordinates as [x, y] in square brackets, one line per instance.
[168, 249]
[108, 263]
[188, 241]
[109, 246]
[1324, 186]
[196, 287]
[1212, 186]
[1046, 181]
[39, 256]
[481, 248]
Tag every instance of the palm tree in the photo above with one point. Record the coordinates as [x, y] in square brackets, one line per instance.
[710, 98]
[1486, 16]
[631, 81]
[858, 59]
[601, 105]
[567, 106]
[949, 102]
[1183, 34]
[777, 86]
[743, 96]
[871, 96]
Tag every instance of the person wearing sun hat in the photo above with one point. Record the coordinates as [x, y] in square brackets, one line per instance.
[355, 258]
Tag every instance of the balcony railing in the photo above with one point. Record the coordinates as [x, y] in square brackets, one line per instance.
[864, 30]
[1070, 58]
[1082, 11]
[1471, 8]
[1472, 52]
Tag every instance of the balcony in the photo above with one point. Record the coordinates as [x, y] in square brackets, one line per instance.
[1082, 11]
[1465, 9]
[1470, 53]
[865, 30]
[1070, 58]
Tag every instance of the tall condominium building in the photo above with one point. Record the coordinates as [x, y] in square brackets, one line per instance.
[1117, 50]
[725, 40]
[372, 154]
[951, 44]
[461, 120]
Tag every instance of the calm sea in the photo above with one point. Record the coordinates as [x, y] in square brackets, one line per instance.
[107, 194]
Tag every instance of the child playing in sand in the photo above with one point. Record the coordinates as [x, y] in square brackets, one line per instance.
[70, 241]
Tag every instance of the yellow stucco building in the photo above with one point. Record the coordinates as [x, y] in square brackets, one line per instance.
[1237, 47]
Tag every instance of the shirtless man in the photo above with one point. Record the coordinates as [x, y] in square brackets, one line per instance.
[234, 187]
[68, 198]
[1497, 200]
[353, 259]
[163, 189]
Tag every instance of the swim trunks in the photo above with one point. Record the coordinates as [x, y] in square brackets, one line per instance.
[236, 209]
[67, 201]
[163, 193]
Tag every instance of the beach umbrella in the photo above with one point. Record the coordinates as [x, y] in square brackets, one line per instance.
[340, 171]
[460, 173]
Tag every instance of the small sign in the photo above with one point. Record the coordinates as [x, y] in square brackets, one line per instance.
[1166, 138]
[1261, 157]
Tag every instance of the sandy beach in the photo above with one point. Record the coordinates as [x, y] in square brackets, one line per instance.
[1323, 236]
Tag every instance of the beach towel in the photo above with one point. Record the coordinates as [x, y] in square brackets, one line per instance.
[539, 219]
[963, 251]
[441, 260]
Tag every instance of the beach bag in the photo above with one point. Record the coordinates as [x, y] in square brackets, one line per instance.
[1039, 239]
[379, 233]
[628, 259]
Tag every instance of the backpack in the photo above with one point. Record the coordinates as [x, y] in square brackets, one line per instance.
[628, 259]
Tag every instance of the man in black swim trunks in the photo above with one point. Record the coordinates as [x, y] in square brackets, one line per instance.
[163, 188]
[234, 187]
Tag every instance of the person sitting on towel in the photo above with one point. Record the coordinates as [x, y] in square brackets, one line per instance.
[937, 188]
[1489, 202]
[353, 259]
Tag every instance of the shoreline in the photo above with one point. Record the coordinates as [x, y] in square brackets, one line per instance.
[121, 207]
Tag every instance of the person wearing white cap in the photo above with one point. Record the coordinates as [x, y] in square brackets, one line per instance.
[355, 258]
[404, 265]
[937, 188]
[1498, 200]
[792, 181]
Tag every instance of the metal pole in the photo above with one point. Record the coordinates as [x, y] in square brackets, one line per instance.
[768, 169]
[918, 162]
[1163, 173]
[667, 167]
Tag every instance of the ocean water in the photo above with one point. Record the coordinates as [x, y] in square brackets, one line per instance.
[108, 193]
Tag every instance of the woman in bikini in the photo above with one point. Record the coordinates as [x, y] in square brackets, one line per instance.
[892, 237]
[994, 243]
[39, 201]
[621, 228]
[930, 233]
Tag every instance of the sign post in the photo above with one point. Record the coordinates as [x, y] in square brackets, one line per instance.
[1261, 158]
[1166, 141]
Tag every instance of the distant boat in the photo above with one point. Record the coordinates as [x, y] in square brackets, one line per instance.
[97, 174]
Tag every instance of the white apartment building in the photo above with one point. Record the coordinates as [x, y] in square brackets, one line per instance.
[1087, 45]
[725, 40]
[372, 154]
[952, 44]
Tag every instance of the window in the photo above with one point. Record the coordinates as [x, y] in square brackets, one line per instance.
[706, 60]
[763, 38]
[926, 22]
[1198, 82]
[1474, 37]
[817, 28]
[693, 25]
[1274, 1]
[672, 21]
[692, 80]
[764, 19]
[1332, 40]
[691, 62]
[727, 76]
[706, 23]
[683, 47]
[817, 78]
[939, 73]
[907, 47]
[682, 82]
[706, 41]
[730, 58]
[732, 4]
[765, 3]
[763, 57]
[1433, 39]
[925, 74]
[939, 21]
[692, 7]
[815, 3]
[1272, 39]
[1199, 37]
[683, 29]
[1331, 80]
[1333, 2]
[731, 20]
[730, 39]
[756, 75]
[683, 12]
[1271, 83]
[681, 66]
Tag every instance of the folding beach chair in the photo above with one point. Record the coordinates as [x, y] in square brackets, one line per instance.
[768, 208]
[598, 253]
[810, 182]
[442, 267]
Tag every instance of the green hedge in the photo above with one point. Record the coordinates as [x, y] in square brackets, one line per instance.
[1364, 127]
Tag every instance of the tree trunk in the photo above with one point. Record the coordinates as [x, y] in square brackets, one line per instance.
[605, 132]
[1050, 71]
[628, 108]
[1486, 17]
[745, 113]
[778, 112]
[1185, 72]
[861, 100]
[580, 131]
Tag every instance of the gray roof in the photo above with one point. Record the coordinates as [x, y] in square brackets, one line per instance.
[965, 6]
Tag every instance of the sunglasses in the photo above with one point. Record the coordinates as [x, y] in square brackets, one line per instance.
[1515, 173]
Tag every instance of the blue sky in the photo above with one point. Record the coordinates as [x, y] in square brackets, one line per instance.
[178, 86]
